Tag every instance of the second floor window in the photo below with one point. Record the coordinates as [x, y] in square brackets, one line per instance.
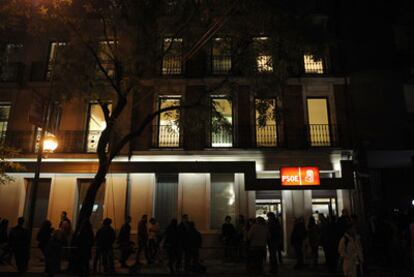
[96, 124]
[221, 122]
[172, 60]
[319, 129]
[4, 119]
[55, 50]
[11, 56]
[221, 56]
[263, 54]
[266, 128]
[168, 128]
[313, 65]
[106, 58]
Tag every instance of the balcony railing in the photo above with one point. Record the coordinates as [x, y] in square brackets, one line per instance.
[221, 136]
[322, 135]
[221, 64]
[168, 135]
[266, 136]
[69, 141]
[11, 72]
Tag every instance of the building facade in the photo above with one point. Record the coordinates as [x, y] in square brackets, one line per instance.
[204, 168]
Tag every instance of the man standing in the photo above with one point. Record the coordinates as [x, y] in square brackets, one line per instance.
[142, 237]
[125, 242]
[19, 240]
[273, 241]
[105, 237]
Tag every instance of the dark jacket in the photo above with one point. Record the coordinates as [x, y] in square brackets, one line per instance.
[298, 234]
[228, 232]
[105, 237]
[19, 238]
[124, 234]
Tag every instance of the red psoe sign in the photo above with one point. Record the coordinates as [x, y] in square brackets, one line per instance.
[300, 176]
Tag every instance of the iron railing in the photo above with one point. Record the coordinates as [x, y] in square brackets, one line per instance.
[11, 72]
[266, 136]
[168, 136]
[322, 135]
[171, 136]
[221, 64]
[68, 141]
[221, 136]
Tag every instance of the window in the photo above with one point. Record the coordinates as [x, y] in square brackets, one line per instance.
[10, 67]
[166, 198]
[96, 124]
[172, 61]
[222, 198]
[106, 58]
[98, 206]
[221, 56]
[169, 129]
[4, 119]
[53, 58]
[318, 117]
[266, 127]
[263, 54]
[221, 122]
[312, 65]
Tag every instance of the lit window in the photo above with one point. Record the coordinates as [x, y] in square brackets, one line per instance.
[266, 128]
[222, 123]
[106, 58]
[313, 66]
[172, 60]
[96, 124]
[4, 119]
[221, 56]
[319, 133]
[169, 129]
[264, 61]
[53, 58]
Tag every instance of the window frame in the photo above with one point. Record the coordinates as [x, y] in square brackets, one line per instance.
[277, 141]
[51, 61]
[229, 98]
[212, 67]
[330, 127]
[165, 54]
[180, 131]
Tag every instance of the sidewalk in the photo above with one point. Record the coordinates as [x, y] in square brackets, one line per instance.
[215, 267]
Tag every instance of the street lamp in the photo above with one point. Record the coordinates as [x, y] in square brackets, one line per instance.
[50, 143]
[47, 144]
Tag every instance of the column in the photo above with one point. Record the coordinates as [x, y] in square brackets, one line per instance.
[296, 203]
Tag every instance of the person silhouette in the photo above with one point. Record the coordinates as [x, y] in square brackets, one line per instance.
[19, 240]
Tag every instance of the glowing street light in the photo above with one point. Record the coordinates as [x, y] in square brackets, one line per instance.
[50, 143]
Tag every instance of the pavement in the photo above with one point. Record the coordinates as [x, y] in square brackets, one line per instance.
[215, 267]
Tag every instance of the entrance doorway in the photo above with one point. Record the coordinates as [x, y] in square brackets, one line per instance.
[324, 202]
[42, 201]
[264, 206]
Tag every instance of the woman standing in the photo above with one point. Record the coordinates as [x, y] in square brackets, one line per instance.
[350, 251]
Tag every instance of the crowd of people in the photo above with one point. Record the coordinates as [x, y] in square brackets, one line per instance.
[250, 241]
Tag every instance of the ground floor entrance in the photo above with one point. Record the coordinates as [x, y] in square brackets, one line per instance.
[291, 204]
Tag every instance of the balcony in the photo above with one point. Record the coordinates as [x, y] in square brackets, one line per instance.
[69, 141]
[167, 136]
[322, 135]
[12, 72]
[221, 65]
[266, 136]
[222, 136]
